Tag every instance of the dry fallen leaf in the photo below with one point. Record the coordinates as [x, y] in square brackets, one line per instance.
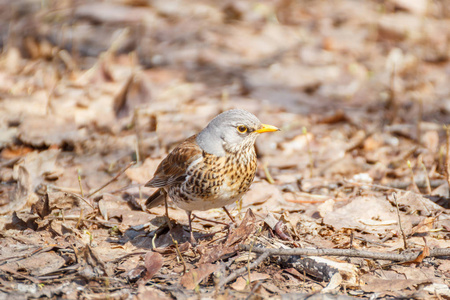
[192, 278]
[244, 230]
[242, 282]
[153, 263]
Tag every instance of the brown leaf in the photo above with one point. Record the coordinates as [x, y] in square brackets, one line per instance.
[191, 279]
[217, 252]
[23, 222]
[296, 274]
[148, 292]
[15, 151]
[172, 248]
[120, 100]
[39, 264]
[241, 282]
[244, 230]
[42, 207]
[424, 253]
[153, 263]
[136, 273]
[424, 226]
[335, 117]
[134, 93]
[42, 131]
[392, 285]
[94, 263]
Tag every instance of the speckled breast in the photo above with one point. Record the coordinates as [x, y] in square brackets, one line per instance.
[214, 182]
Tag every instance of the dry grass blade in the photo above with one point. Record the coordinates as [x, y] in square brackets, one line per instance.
[112, 179]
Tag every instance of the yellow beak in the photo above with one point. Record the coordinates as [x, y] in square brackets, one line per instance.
[267, 128]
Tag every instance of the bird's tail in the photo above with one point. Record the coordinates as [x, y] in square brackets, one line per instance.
[156, 198]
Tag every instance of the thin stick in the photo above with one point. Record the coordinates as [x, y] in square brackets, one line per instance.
[427, 179]
[179, 253]
[229, 215]
[393, 101]
[419, 121]
[14, 273]
[153, 241]
[81, 198]
[405, 245]
[112, 179]
[447, 157]
[138, 142]
[76, 218]
[79, 219]
[79, 182]
[194, 216]
[404, 257]
[269, 177]
[413, 182]
[398, 185]
[249, 252]
[252, 292]
[308, 148]
[242, 270]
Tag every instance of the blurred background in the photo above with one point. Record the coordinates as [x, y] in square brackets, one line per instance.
[356, 86]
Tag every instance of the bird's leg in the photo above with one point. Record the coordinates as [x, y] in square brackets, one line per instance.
[167, 211]
[193, 241]
[229, 215]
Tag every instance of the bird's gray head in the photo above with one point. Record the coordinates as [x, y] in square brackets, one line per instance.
[231, 131]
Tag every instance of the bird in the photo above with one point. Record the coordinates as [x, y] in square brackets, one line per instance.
[211, 169]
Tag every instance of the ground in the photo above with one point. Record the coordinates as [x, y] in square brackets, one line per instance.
[94, 94]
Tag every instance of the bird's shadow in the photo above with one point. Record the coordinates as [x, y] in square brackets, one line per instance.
[158, 235]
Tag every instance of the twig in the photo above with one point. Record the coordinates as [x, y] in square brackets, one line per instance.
[427, 179]
[79, 182]
[447, 153]
[138, 141]
[14, 273]
[179, 253]
[77, 226]
[392, 103]
[76, 218]
[267, 173]
[242, 270]
[410, 256]
[115, 261]
[399, 185]
[254, 289]
[308, 147]
[359, 142]
[419, 121]
[10, 162]
[416, 188]
[405, 245]
[194, 216]
[71, 192]
[112, 179]
[153, 241]
[249, 252]
[81, 198]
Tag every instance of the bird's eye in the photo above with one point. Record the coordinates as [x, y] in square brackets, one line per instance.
[242, 129]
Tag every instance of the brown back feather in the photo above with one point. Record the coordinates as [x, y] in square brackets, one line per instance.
[173, 168]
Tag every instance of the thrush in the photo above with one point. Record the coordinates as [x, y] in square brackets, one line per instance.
[211, 169]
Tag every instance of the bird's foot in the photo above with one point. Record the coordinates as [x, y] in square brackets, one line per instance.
[169, 223]
[193, 241]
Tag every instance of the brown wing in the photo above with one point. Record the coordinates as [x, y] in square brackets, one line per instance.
[173, 168]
